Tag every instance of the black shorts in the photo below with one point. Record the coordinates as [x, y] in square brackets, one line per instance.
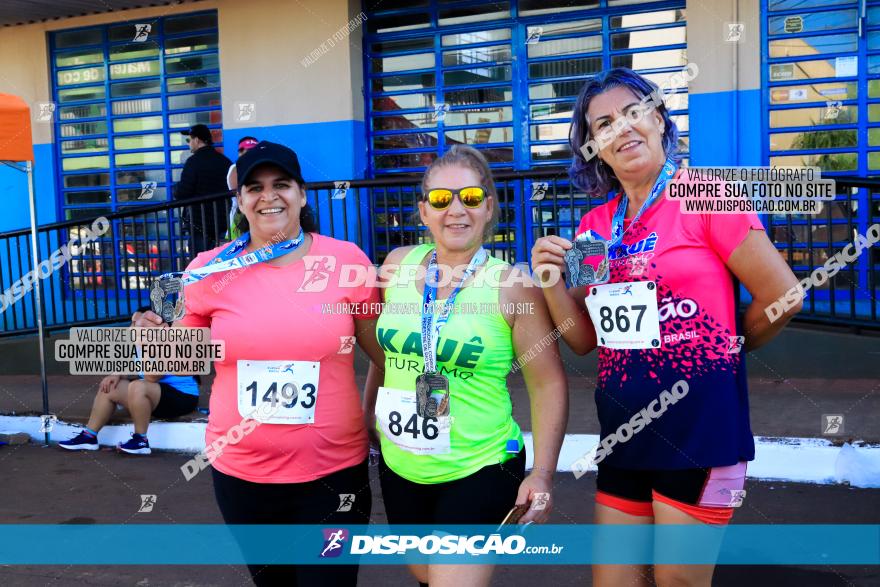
[484, 497]
[312, 502]
[708, 494]
[173, 403]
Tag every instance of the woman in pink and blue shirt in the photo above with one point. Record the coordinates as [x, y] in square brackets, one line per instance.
[672, 403]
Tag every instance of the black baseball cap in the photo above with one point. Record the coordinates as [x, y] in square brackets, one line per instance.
[199, 131]
[266, 152]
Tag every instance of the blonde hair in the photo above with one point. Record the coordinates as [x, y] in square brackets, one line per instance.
[466, 156]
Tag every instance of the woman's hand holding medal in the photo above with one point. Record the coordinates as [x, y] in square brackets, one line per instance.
[584, 261]
[148, 319]
[548, 259]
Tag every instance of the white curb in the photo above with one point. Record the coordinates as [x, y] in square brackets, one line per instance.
[177, 436]
[801, 460]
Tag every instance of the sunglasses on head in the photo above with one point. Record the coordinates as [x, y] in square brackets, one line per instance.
[441, 198]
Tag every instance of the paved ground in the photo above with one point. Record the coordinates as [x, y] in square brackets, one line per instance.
[793, 381]
[783, 407]
[46, 485]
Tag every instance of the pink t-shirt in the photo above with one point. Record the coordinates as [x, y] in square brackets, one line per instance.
[685, 254]
[266, 313]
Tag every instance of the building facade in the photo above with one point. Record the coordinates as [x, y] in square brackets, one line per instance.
[379, 88]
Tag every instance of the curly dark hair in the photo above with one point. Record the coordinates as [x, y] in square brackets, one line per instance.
[590, 174]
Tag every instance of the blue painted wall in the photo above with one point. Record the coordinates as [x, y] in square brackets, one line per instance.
[750, 137]
[718, 135]
[327, 151]
[13, 187]
[14, 253]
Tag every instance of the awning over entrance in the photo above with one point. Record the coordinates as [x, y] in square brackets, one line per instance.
[16, 12]
[15, 129]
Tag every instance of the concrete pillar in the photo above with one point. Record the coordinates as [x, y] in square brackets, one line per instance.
[725, 98]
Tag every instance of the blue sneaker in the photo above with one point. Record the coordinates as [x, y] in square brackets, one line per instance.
[81, 441]
[138, 445]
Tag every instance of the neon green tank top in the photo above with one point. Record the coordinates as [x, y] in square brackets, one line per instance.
[475, 352]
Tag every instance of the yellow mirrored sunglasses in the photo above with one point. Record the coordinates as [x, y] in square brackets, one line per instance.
[441, 198]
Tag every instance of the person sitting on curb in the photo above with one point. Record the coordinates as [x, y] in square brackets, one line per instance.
[154, 396]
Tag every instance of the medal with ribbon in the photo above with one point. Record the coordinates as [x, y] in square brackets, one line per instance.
[591, 244]
[625, 314]
[432, 388]
[587, 260]
[166, 291]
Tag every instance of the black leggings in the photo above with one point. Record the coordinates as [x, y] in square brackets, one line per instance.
[484, 497]
[313, 502]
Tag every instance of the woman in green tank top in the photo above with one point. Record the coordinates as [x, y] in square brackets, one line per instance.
[451, 451]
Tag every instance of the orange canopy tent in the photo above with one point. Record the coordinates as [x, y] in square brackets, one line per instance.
[16, 146]
[15, 129]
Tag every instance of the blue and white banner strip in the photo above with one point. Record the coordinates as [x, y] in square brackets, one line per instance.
[189, 544]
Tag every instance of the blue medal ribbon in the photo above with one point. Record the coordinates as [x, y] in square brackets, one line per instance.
[433, 321]
[617, 231]
[227, 260]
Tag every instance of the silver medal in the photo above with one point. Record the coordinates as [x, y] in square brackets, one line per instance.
[166, 298]
[581, 273]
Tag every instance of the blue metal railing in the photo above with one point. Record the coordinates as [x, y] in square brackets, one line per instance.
[106, 280]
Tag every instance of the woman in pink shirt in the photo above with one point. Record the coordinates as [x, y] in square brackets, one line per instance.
[671, 393]
[284, 401]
